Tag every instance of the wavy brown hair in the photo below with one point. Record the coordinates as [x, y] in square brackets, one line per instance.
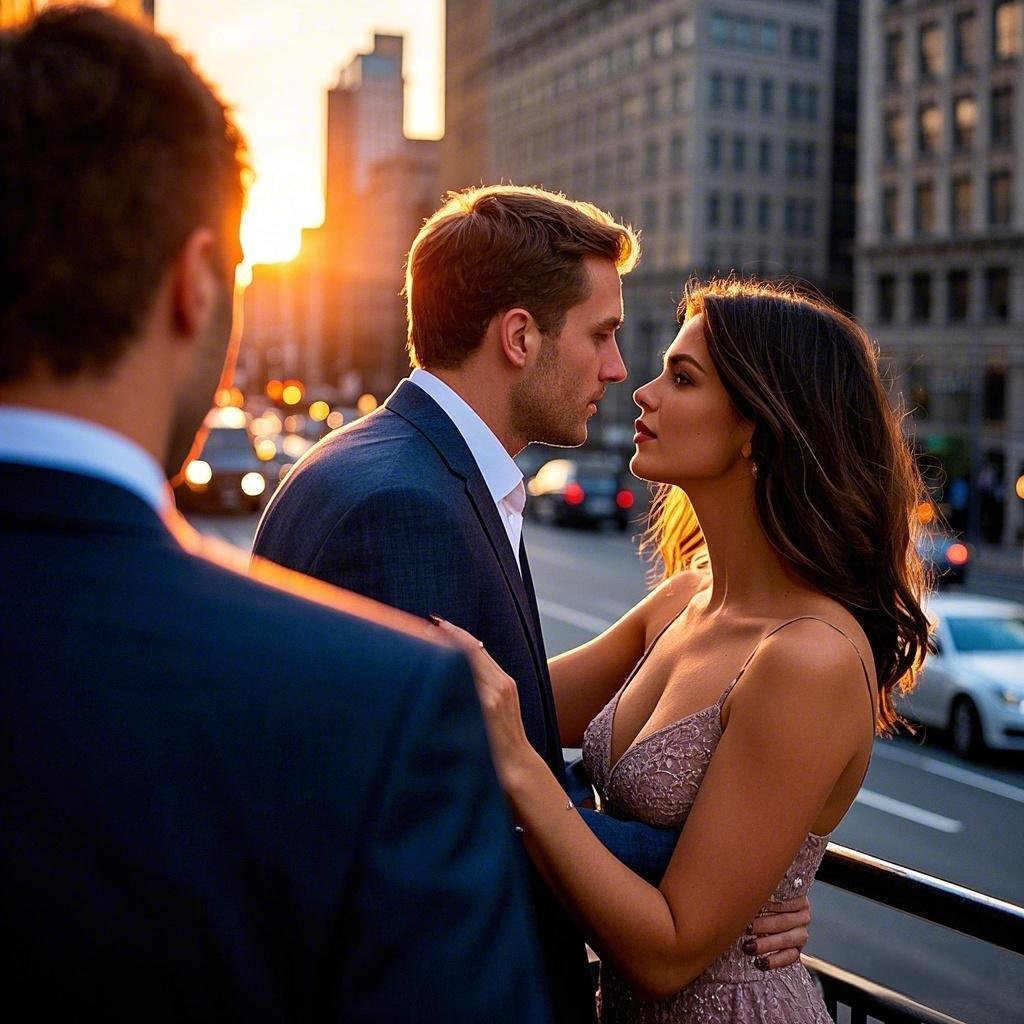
[837, 488]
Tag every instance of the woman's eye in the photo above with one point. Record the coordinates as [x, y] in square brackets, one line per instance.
[681, 379]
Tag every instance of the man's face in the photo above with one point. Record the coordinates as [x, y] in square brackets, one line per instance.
[554, 400]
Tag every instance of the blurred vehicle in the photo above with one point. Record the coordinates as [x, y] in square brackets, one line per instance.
[589, 488]
[974, 685]
[944, 556]
[227, 475]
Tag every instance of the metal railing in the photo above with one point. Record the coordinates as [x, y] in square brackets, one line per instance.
[913, 892]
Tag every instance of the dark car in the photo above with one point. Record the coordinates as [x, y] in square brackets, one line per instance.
[227, 475]
[945, 557]
[588, 488]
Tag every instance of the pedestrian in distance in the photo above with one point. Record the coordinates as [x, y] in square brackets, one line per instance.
[221, 797]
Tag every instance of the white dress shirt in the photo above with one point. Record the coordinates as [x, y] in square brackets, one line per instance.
[502, 476]
[38, 437]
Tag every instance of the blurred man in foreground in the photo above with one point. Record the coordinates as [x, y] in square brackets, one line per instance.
[220, 798]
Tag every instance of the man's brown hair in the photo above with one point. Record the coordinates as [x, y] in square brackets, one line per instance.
[112, 151]
[488, 250]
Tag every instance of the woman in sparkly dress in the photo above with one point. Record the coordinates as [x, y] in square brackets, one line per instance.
[740, 699]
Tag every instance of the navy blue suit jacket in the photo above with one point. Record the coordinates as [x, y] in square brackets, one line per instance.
[221, 800]
[395, 507]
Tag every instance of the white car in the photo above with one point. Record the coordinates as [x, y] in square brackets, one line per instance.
[974, 685]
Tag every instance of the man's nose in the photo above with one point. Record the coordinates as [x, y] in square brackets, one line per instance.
[614, 369]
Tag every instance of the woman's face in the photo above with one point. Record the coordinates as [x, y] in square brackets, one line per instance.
[689, 431]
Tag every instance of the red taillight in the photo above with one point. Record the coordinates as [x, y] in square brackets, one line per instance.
[624, 499]
[957, 554]
[574, 494]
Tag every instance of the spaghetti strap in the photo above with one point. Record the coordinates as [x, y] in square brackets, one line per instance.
[789, 622]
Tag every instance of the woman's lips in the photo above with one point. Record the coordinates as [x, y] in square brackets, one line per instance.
[643, 433]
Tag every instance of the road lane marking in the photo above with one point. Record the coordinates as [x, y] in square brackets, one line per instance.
[929, 819]
[572, 617]
[950, 771]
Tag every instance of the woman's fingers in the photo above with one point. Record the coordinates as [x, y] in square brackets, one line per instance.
[770, 961]
[795, 939]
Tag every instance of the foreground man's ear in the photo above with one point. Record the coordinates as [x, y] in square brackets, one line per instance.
[195, 286]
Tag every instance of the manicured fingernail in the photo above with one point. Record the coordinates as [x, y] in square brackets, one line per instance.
[749, 946]
[436, 619]
[761, 963]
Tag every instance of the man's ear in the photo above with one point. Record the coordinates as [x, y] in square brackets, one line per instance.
[519, 336]
[195, 286]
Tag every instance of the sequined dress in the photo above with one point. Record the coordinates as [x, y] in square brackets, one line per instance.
[656, 781]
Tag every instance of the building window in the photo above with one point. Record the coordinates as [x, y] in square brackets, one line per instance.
[895, 58]
[739, 152]
[804, 42]
[965, 120]
[890, 211]
[793, 93]
[649, 213]
[885, 298]
[716, 90]
[792, 158]
[652, 159]
[921, 297]
[653, 100]
[810, 160]
[677, 152]
[721, 29]
[714, 151]
[993, 394]
[895, 133]
[997, 293]
[770, 36]
[790, 217]
[812, 103]
[764, 156]
[924, 207]
[929, 129]
[739, 210]
[714, 210]
[764, 214]
[930, 50]
[682, 31]
[1002, 116]
[678, 93]
[739, 92]
[767, 96]
[675, 210]
[963, 203]
[807, 221]
[1008, 29]
[965, 40]
[958, 295]
[917, 388]
[1000, 198]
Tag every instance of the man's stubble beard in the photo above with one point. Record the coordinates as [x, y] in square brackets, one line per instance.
[537, 403]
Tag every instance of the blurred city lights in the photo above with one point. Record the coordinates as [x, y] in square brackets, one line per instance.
[1019, 488]
[265, 449]
[291, 392]
[198, 473]
[367, 403]
[253, 484]
[319, 411]
[926, 513]
[274, 390]
[294, 445]
[335, 419]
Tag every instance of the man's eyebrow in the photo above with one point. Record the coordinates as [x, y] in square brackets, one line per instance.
[609, 323]
[674, 362]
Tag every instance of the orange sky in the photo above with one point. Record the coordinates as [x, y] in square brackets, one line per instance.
[273, 60]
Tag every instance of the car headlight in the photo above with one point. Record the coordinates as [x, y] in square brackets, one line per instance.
[253, 484]
[1012, 698]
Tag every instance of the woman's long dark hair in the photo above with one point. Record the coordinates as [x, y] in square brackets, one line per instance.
[837, 488]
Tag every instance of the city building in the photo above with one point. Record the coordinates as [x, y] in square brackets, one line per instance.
[334, 317]
[940, 241]
[723, 129]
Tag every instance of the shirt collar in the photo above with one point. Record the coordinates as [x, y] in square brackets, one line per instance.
[38, 437]
[497, 467]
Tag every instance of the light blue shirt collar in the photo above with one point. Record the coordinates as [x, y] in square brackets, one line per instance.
[38, 437]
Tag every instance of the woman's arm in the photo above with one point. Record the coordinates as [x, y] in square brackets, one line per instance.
[799, 717]
[586, 678]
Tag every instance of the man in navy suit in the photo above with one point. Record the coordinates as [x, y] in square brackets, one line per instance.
[221, 798]
[514, 302]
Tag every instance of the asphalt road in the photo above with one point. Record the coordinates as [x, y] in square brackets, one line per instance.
[920, 805]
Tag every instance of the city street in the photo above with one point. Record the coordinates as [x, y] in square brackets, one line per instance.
[920, 805]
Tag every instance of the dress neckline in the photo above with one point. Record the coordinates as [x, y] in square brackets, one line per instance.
[717, 706]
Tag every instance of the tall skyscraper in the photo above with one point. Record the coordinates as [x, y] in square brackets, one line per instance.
[940, 269]
[708, 124]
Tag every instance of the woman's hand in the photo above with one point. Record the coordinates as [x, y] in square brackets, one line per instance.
[499, 698]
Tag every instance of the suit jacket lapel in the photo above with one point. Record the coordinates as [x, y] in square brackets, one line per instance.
[416, 406]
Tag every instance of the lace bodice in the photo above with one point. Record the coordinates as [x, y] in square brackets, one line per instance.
[656, 781]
